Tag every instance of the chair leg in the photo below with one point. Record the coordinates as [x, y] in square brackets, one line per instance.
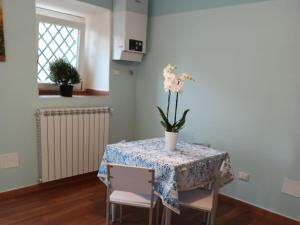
[150, 216]
[168, 217]
[163, 216]
[213, 217]
[205, 217]
[113, 212]
[107, 212]
[208, 218]
[157, 212]
[121, 213]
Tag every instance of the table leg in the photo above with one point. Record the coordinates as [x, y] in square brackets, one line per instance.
[168, 218]
[113, 212]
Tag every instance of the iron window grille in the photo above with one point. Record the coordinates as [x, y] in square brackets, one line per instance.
[57, 39]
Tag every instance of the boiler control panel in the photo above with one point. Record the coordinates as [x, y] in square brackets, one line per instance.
[135, 45]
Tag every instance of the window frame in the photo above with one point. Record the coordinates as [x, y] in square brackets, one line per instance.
[62, 19]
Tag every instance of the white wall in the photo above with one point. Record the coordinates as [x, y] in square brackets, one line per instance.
[98, 50]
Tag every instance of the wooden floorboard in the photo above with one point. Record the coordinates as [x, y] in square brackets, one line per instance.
[81, 201]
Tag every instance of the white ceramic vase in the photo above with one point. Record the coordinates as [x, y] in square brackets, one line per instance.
[170, 140]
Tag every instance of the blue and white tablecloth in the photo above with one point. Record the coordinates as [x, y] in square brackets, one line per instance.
[188, 167]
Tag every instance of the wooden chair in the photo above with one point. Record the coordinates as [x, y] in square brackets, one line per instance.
[203, 199]
[131, 186]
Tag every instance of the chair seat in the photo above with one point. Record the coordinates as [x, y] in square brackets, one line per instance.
[132, 199]
[197, 199]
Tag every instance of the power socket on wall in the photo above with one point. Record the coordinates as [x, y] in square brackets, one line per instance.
[116, 72]
[291, 187]
[244, 176]
[10, 160]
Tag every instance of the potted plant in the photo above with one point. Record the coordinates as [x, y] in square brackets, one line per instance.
[173, 85]
[64, 75]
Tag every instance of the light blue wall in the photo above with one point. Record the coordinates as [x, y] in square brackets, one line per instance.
[246, 98]
[245, 59]
[19, 98]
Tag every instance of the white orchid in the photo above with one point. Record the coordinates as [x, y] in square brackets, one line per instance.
[173, 83]
[178, 87]
[170, 77]
[185, 76]
[169, 69]
[168, 85]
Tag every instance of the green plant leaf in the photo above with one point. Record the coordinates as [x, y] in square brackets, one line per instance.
[63, 73]
[164, 118]
[163, 124]
[181, 122]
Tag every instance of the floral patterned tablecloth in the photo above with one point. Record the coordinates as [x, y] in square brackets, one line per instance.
[188, 167]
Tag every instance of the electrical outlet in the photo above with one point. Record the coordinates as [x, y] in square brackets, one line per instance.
[291, 187]
[10, 160]
[244, 176]
[116, 72]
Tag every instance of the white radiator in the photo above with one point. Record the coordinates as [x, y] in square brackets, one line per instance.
[71, 140]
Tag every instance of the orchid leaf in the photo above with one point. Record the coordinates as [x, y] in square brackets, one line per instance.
[169, 129]
[167, 125]
[164, 124]
[181, 122]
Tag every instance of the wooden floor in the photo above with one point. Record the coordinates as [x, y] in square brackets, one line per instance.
[82, 201]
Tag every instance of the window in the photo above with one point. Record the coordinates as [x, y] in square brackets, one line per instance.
[81, 33]
[56, 41]
[58, 37]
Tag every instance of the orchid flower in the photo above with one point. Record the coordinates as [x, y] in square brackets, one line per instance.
[173, 84]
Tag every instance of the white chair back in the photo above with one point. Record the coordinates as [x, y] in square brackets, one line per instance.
[130, 179]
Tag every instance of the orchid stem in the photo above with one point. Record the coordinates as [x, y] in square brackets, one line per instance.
[169, 98]
[176, 108]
